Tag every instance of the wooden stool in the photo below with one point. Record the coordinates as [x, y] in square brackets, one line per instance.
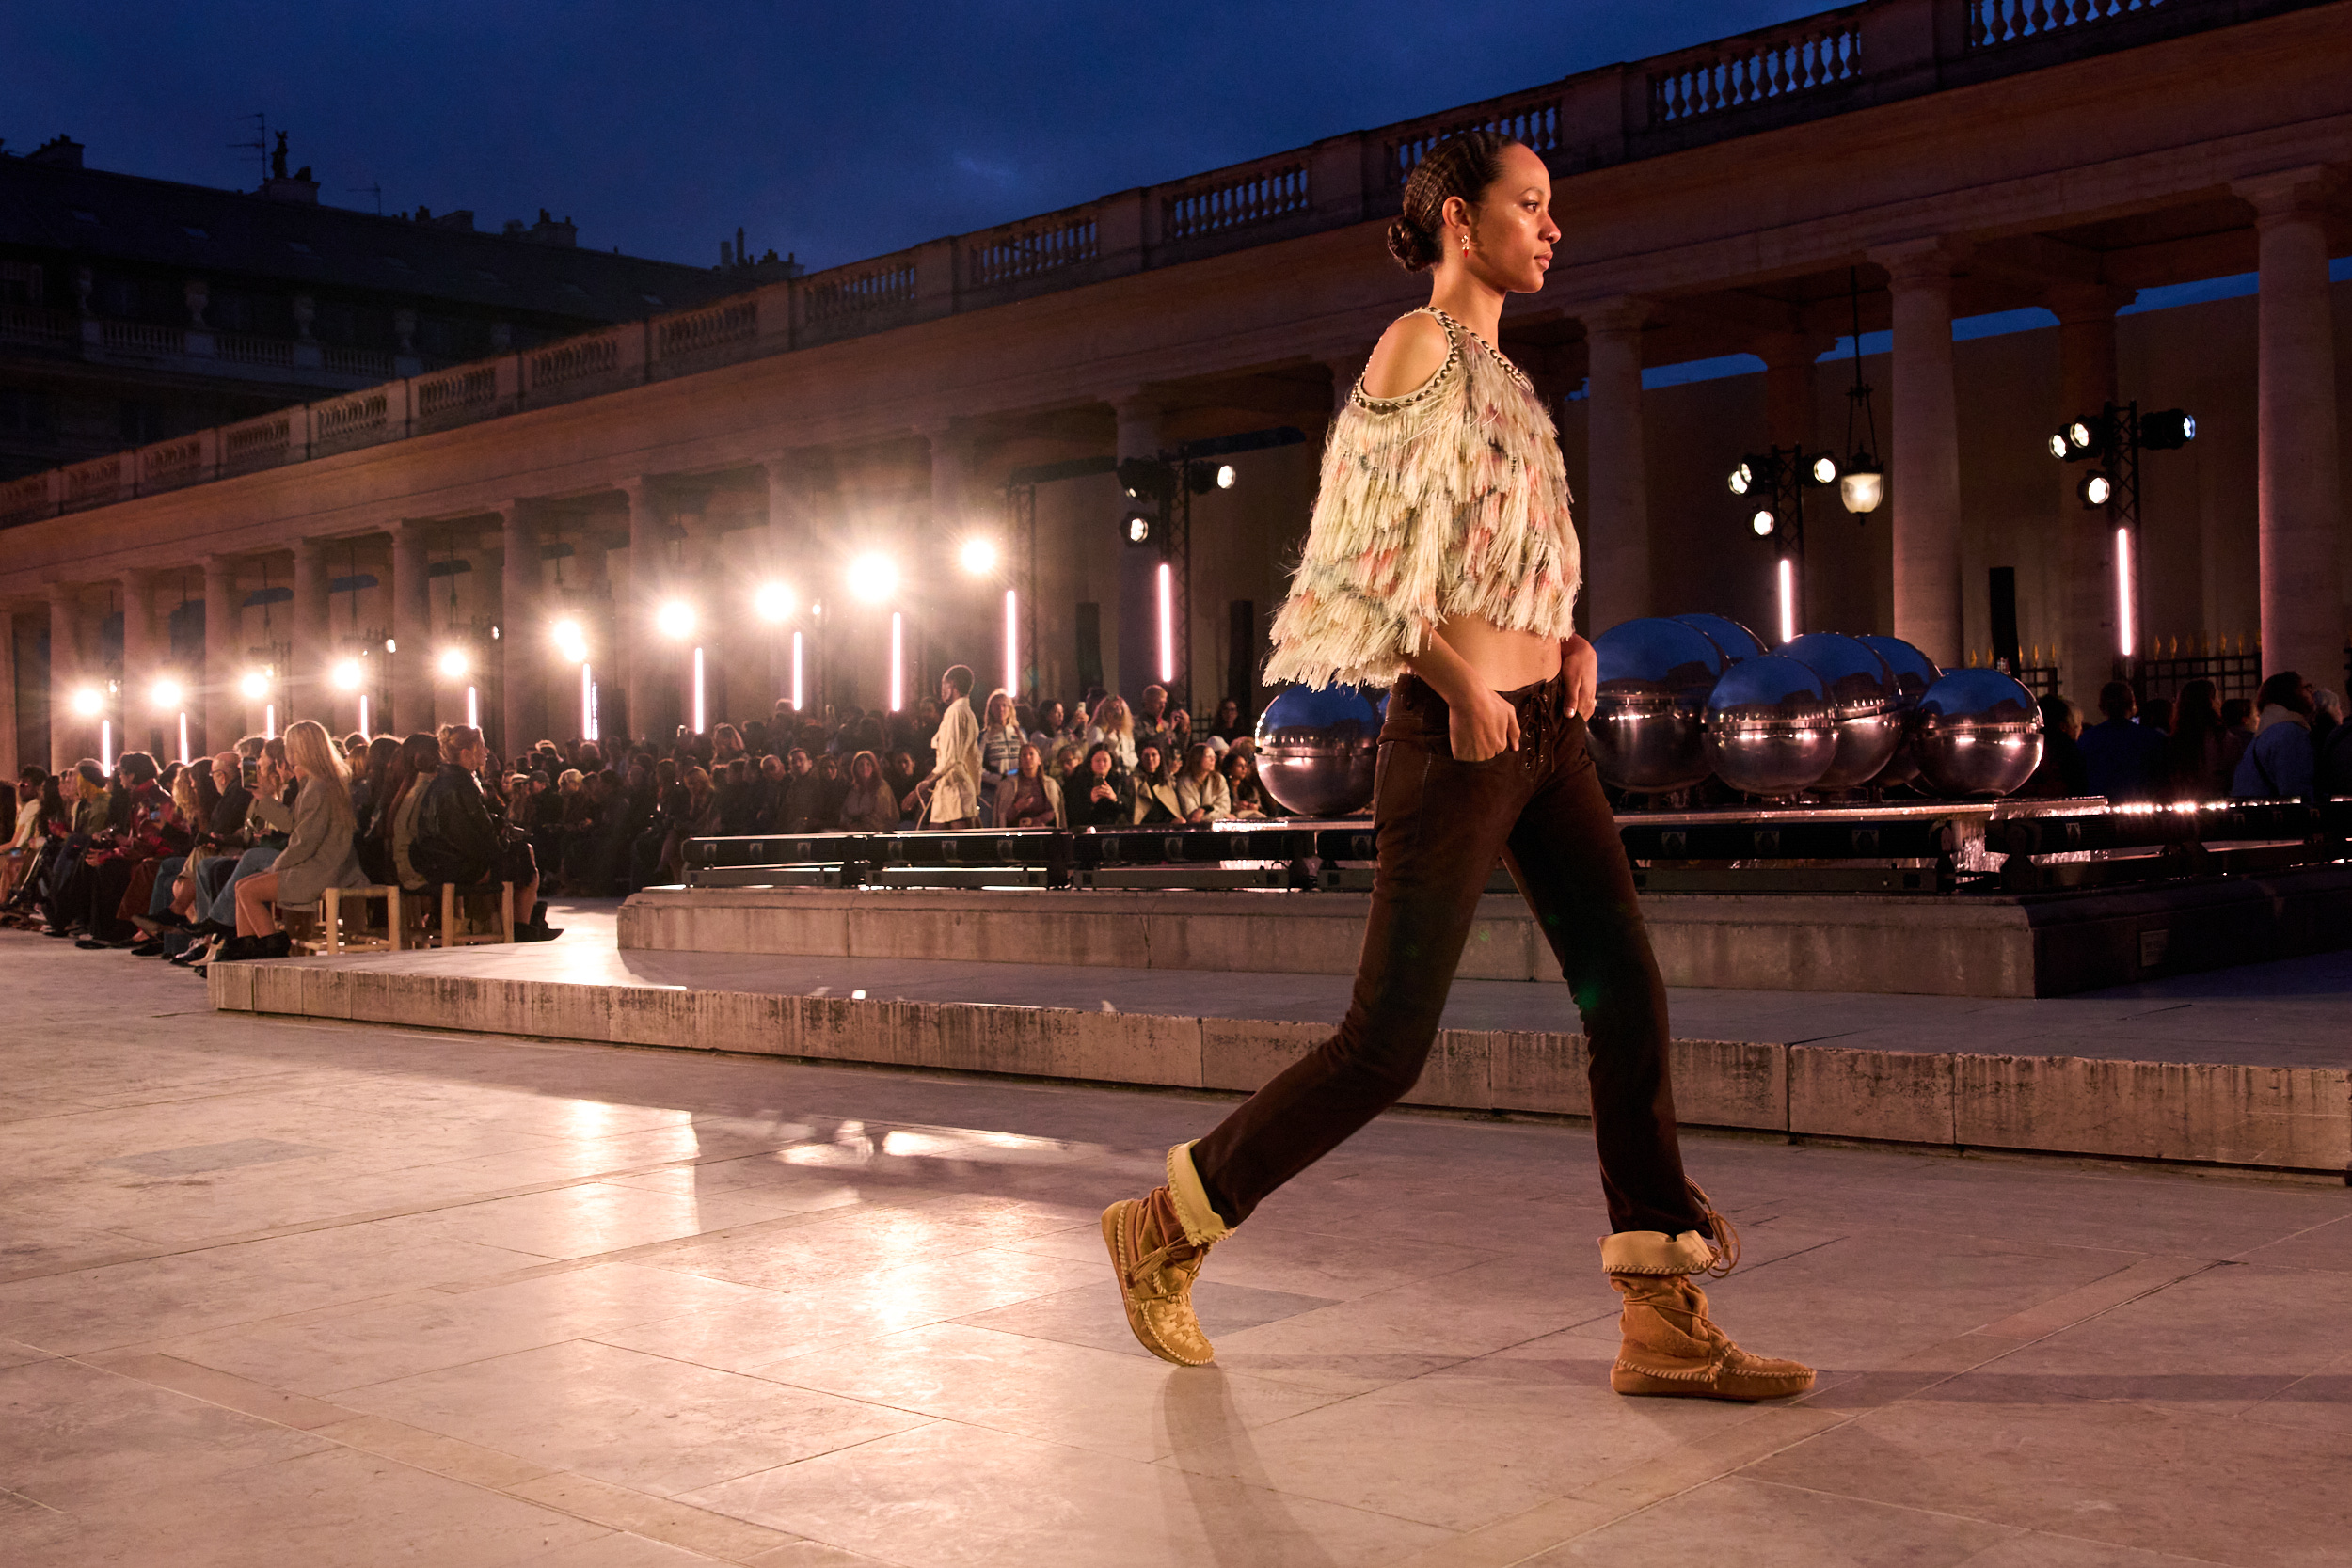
[502, 931]
[336, 900]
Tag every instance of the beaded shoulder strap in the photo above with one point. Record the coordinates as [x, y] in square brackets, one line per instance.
[1428, 388]
[1459, 331]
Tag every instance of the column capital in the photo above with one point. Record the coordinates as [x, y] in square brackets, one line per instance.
[2284, 195]
[1622, 314]
[1140, 399]
[1912, 264]
[1791, 346]
[135, 578]
[2085, 302]
[62, 593]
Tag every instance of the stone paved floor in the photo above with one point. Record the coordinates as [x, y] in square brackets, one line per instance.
[276, 1292]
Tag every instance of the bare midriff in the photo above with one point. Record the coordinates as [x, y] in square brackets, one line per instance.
[1504, 661]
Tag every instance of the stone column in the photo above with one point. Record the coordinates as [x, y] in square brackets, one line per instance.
[2087, 647]
[786, 540]
[223, 707]
[522, 640]
[412, 656]
[141, 665]
[10, 757]
[1617, 492]
[69, 734]
[2301, 501]
[1133, 646]
[963, 635]
[633, 631]
[309, 693]
[1925, 450]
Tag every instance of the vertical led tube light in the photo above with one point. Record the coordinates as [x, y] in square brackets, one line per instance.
[269, 721]
[2124, 630]
[1012, 644]
[183, 739]
[897, 661]
[587, 703]
[365, 734]
[797, 688]
[1787, 599]
[700, 724]
[1167, 622]
[106, 745]
[473, 707]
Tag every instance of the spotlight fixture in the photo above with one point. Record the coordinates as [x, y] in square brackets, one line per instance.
[773, 602]
[1763, 522]
[2078, 435]
[570, 640]
[1742, 477]
[1824, 469]
[453, 664]
[1225, 475]
[2057, 445]
[674, 619]
[254, 686]
[88, 702]
[873, 578]
[1136, 525]
[346, 674]
[978, 555]
[2096, 489]
[2168, 431]
[167, 694]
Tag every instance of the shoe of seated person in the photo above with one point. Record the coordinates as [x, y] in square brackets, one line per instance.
[277, 944]
[152, 948]
[195, 952]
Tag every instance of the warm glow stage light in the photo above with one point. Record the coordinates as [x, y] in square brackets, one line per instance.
[1012, 642]
[701, 721]
[88, 702]
[454, 663]
[1763, 522]
[1824, 469]
[1859, 490]
[569, 639]
[346, 674]
[2078, 435]
[897, 661]
[873, 578]
[674, 619]
[474, 708]
[773, 602]
[167, 694]
[1168, 622]
[978, 555]
[2096, 490]
[798, 691]
[1742, 477]
[255, 685]
[2124, 630]
[1787, 599]
[2057, 445]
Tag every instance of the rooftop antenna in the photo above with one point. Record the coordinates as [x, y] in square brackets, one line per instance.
[259, 145]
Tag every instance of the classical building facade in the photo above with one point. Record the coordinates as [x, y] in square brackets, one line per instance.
[1925, 163]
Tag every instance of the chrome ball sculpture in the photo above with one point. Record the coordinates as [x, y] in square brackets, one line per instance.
[1863, 700]
[1915, 671]
[1770, 730]
[1976, 733]
[1317, 750]
[1644, 731]
[1737, 642]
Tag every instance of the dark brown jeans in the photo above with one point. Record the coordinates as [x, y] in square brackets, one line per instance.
[1438, 827]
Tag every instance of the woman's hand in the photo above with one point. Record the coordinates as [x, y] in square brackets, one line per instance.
[1485, 727]
[1581, 662]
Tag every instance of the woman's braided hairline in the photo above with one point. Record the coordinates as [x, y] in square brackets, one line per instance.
[1463, 165]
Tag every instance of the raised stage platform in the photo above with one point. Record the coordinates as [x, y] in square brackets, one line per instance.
[2246, 1069]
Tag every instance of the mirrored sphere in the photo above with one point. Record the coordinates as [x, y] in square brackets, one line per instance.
[1915, 671]
[1655, 676]
[1316, 750]
[1769, 727]
[1862, 699]
[1735, 641]
[1976, 732]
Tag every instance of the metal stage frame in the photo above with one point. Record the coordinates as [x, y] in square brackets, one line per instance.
[1937, 848]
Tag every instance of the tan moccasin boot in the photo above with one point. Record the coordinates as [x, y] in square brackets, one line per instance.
[1157, 1244]
[1670, 1346]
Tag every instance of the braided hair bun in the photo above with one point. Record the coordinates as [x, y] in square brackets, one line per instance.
[1463, 165]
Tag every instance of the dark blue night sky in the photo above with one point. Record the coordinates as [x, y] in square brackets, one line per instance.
[835, 132]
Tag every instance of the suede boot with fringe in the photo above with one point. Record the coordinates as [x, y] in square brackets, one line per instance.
[1671, 1347]
[1157, 1243]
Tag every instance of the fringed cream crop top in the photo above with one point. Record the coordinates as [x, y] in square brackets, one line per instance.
[1449, 500]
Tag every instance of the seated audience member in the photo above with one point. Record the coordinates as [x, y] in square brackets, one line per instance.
[1029, 797]
[2201, 756]
[1201, 793]
[2156, 714]
[371, 782]
[2333, 764]
[696, 817]
[2237, 717]
[741, 797]
[321, 850]
[871, 804]
[1001, 739]
[25, 847]
[141, 826]
[2279, 765]
[2060, 773]
[802, 803]
[1100, 796]
[2123, 759]
[460, 841]
[1115, 726]
[1152, 792]
[1228, 725]
[1251, 802]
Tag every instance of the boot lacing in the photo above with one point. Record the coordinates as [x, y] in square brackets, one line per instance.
[1722, 1237]
[1149, 1273]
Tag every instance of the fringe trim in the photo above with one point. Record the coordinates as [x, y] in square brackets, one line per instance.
[1654, 1252]
[1454, 505]
[1203, 1226]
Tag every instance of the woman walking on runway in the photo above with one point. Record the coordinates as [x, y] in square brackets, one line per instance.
[1441, 561]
